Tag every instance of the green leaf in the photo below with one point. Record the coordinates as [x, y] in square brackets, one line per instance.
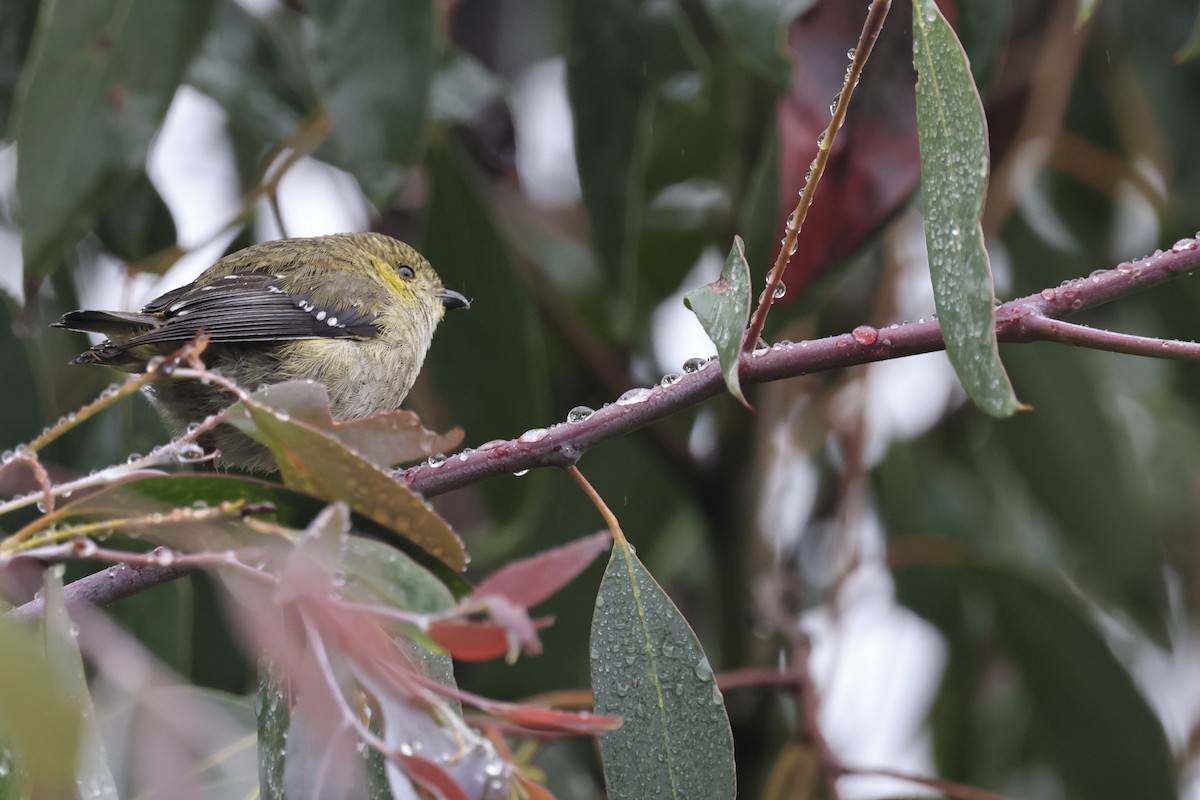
[1190, 48]
[16, 29]
[138, 223]
[954, 161]
[97, 85]
[493, 385]
[274, 718]
[244, 67]
[622, 56]
[62, 653]
[648, 668]
[757, 32]
[463, 88]
[1085, 9]
[723, 308]
[320, 465]
[40, 720]
[1102, 734]
[373, 64]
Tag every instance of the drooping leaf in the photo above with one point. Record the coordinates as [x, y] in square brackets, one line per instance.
[954, 165]
[318, 464]
[757, 31]
[622, 56]
[648, 668]
[94, 91]
[723, 308]
[374, 65]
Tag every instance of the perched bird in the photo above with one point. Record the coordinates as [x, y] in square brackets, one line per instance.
[354, 311]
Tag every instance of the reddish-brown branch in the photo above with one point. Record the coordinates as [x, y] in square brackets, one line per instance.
[1026, 319]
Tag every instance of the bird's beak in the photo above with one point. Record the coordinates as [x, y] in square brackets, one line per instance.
[452, 299]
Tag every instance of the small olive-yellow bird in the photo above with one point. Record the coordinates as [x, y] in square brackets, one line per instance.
[354, 311]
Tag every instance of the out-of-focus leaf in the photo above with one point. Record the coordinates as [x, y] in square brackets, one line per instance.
[243, 67]
[162, 619]
[40, 720]
[723, 308]
[489, 363]
[1085, 10]
[648, 668]
[374, 65]
[138, 223]
[16, 29]
[757, 32]
[954, 163]
[319, 465]
[1103, 735]
[274, 717]
[93, 775]
[384, 439]
[531, 580]
[94, 91]
[795, 773]
[463, 88]
[1190, 48]
[622, 56]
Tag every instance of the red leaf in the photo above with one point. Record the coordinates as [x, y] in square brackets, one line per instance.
[432, 777]
[529, 581]
[482, 641]
[556, 721]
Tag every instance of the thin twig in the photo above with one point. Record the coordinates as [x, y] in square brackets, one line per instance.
[876, 14]
[610, 519]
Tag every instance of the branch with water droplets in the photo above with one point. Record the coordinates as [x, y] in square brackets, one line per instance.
[1026, 319]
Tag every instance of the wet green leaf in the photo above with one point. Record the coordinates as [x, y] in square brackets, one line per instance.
[954, 163]
[648, 668]
[373, 65]
[723, 308]
[16, 29]
[94, 91]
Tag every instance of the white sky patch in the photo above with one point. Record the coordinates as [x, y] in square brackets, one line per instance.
[315, 199]
[675, 332]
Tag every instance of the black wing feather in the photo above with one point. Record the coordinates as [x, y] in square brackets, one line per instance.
[249, 307]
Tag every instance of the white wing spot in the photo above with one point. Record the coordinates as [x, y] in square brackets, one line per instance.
[321, 314]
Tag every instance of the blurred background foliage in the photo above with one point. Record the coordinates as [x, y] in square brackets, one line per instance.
[1011, 604]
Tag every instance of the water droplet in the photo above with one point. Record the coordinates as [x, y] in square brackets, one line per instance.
[1125, 268]
[436, 460]
[633, 397]
[780, 290]
[520, 473]
[865, 335]
[1049, 294]
[1183, 244]
[694, 365]
[579, 414]
[163, 556]
[851, 53]
[533, 435]
[670, 379]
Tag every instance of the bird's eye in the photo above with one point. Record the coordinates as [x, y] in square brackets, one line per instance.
[406, 272]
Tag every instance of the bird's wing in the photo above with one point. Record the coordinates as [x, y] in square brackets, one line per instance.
[249, 307]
